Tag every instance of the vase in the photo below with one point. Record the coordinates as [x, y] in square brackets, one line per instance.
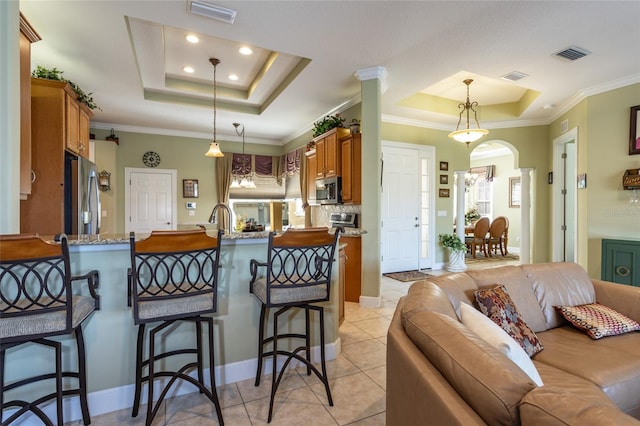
[456, 261]
[354, 128]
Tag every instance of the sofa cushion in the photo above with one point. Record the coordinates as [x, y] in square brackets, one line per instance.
[491, 333]
[426, 296]
[457, 287]
[517, 284]
[551, 406]
[559, 284]
[597, 320]
[497, 305]
[490, 383]
[613, 364]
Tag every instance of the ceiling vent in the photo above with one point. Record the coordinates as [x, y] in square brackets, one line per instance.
[514, 76]
[572, 53]
[212, 11]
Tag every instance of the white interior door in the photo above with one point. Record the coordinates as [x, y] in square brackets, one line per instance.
[150, 200]
[400, 209]
[565, 197]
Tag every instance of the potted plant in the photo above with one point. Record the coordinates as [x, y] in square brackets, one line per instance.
[56, 74]
[327, 123]
[456, 249]
[471, 216]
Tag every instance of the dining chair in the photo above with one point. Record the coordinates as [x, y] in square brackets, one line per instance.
[173, 278]
[476, 240]
[496, 233]
[504, 241]
[297, 274]
[39, 299]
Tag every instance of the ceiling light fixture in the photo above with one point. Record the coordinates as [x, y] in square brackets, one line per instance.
[188, 69]
[233, 77]
[192, 38]
[245, 50]
[468, 135]
[244, 178]
[214, 148]
[213, 11]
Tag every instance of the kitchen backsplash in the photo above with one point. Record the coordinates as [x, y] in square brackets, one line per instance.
[320, 215]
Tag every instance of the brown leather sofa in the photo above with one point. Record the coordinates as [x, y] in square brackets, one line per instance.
[441, 373]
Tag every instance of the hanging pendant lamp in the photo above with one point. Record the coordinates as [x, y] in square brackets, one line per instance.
[468, 135]
[214, 148]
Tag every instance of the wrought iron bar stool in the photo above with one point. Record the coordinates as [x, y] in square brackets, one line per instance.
[39, 300]
[173, 277]
[297, 273]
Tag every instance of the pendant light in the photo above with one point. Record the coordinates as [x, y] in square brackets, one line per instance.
[246, 180]
[214, 148]
[468, 135]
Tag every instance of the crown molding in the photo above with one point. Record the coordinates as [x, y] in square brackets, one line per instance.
[372, 73]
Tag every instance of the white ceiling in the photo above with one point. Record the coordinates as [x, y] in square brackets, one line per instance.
[129, 54]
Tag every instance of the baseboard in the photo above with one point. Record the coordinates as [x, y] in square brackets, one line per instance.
[121, 398]
[370, 302]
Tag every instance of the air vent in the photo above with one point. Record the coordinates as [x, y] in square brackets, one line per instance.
[212, 11]
[572, 53]
[515, 76]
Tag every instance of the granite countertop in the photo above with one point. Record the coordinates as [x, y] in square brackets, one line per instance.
[106, 239]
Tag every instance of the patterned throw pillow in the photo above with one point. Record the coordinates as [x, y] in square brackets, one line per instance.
[598, 320]
[497, 305]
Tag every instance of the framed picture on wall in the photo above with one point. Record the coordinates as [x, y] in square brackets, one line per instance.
[444, 179]
[190, 188]
[443, 193]
[514, 192]
[634, 131]
[444, 166]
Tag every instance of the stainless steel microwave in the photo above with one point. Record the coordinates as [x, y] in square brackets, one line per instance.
[329, 190]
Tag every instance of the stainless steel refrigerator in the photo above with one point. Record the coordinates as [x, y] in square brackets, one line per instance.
[81, 197]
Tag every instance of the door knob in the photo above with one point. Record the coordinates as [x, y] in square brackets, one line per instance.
[416, 226]
[168, 223]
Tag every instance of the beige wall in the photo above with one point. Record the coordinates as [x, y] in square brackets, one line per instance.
[603, 153]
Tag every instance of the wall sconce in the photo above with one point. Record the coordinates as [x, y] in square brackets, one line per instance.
[104, 180]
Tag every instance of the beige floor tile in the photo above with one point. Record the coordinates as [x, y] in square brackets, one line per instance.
[183, 407]
[355, 397]
[376, 327]
[299, 406]
[391, 295]
[235, 416]
[249, 392]
[378, 375]
[367, 354]
[354, 312]
[387, 309]
[377, 420]
[338, 367]
[123, 417]
[382, 339]
[349, 334]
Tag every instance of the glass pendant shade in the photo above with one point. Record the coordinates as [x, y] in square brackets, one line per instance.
[468, 135]
[234, 183]
[214, 150]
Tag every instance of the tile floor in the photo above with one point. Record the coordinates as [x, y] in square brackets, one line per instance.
[357, 379]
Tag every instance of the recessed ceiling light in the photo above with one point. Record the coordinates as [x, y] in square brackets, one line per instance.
[245, 50]
[233, 77]
[192, 38]
[549, 106]
[188, 69]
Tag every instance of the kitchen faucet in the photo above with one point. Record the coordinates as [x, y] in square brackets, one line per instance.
[212, 218]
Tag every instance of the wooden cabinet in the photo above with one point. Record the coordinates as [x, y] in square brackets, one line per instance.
[351, 168]
[311, 177]
[620, 260]
[352, 268]
[55, 129]
[328, 153]
[27, 36]
[342, 259]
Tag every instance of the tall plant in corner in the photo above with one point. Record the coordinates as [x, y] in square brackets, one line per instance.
[56, 74]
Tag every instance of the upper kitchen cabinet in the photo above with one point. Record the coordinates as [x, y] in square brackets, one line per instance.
[328, 152]
[27, 36]
[56, 110]
[311, 176]
[351, 168]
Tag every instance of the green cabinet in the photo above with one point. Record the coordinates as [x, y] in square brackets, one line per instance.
[621, 261]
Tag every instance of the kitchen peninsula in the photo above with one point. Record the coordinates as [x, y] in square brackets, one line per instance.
[110, 335]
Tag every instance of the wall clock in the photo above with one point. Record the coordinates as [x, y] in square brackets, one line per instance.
[151, 159]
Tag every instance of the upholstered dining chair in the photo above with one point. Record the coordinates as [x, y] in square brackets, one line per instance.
[39, 299]
[173, 277]
[297, 274]
[478, 238]
[496, 234]
[504, 240]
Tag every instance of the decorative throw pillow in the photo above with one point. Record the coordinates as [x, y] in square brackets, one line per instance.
[497, 305]
[598, 320]
[491, 333]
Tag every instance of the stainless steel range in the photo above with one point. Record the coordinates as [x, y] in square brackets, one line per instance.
[348, 220]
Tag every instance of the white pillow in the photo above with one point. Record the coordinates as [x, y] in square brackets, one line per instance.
[495, 336]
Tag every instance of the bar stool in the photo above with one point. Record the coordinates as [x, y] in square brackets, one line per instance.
[39, 300]
[173, 277]
[297, 273]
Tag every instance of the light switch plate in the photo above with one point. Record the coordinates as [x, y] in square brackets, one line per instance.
[191, 205]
